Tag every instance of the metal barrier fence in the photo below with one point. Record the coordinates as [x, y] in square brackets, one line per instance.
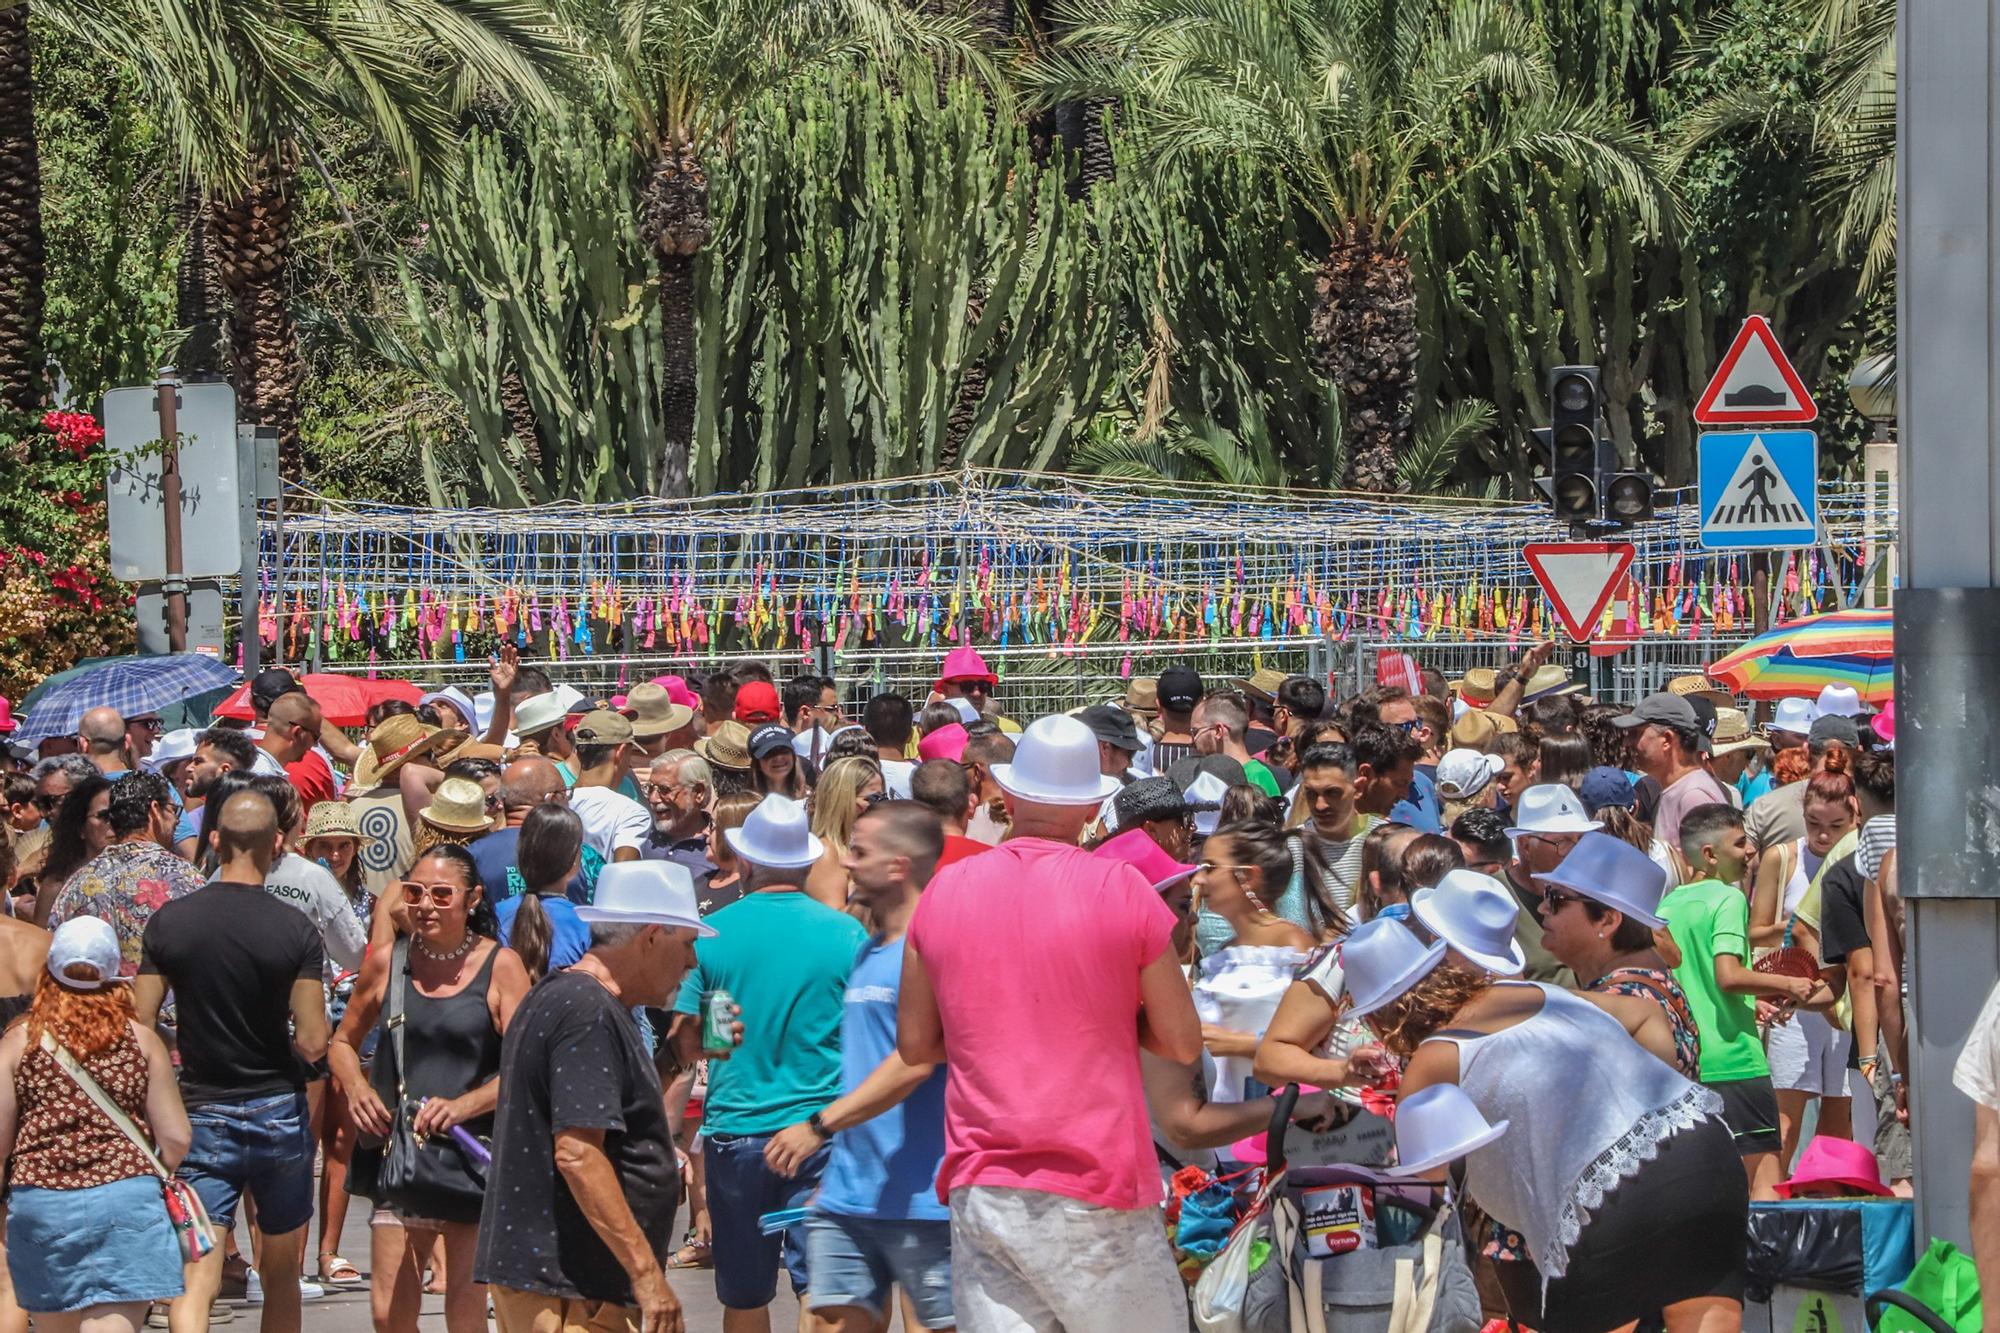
[1639, 670]
[1033, 681]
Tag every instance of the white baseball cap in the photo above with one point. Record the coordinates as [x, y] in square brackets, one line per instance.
[1550, 807]
[85, 943]
[1463, 774]
[1055, 763]
[645, 893]
[171, 748]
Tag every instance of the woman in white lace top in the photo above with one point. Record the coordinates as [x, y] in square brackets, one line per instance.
[1615, 1168]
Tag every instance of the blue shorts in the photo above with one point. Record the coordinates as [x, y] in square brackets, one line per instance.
[263, 1147]
[107, 1245]
[741, 1189]
[854, 1261]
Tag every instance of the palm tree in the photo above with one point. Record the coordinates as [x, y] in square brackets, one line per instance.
[22, 255]
[239, 82]
[685, 70]
[1372, 112]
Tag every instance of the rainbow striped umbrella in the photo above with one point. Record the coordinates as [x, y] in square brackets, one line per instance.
[1802, 658]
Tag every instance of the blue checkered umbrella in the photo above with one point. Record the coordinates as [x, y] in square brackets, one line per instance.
[134, 686]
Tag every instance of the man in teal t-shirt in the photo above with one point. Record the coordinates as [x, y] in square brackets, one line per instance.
[1710, 921]
[784, 960]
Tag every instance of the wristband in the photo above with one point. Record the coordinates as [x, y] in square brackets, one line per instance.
[818, 1126]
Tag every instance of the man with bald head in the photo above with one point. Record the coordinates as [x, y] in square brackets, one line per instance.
[524, 784]
[101, 733]
[240, 964]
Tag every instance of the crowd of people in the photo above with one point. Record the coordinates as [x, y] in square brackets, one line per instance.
[921, 1011]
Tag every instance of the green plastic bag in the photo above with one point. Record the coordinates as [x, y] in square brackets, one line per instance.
[1945, 1281]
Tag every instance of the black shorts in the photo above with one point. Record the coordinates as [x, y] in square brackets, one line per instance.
[1672, 1231]
[1750, 1109]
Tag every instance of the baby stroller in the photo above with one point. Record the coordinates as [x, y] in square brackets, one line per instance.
[1343, 1248]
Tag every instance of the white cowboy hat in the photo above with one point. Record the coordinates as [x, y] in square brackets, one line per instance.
[1055, 763]
[1475, 915]
[1379, 960]
[1436, 1125]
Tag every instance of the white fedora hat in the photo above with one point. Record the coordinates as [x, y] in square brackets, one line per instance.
[1437, 1125]
[1207, 790]
[1550, 807]
[1055, 763]
[1474, 914]
[1839, 701]
[458, 699]
[1613, 872]
[539, 714]
[1380, 959]
[776, 835]
[645, 893]
[1795, 716]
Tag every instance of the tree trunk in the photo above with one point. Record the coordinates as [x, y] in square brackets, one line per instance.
[252, 236]
[676, 224]
[194, 287]
[23, 256]
[1364, 340]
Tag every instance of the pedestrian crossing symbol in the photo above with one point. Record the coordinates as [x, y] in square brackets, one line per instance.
[1758, 489]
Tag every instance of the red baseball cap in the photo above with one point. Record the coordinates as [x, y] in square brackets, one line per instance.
[758, 702]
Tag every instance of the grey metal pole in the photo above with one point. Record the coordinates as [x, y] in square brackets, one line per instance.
[1948, 384]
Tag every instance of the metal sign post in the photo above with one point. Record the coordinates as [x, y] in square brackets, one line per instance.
[167, 388]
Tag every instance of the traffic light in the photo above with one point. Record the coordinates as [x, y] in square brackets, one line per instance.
[1628, 497]
[1575, 410]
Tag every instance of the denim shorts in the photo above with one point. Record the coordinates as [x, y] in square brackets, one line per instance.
[854, 1261]
[106, 1245]
[262, 1147]
[741, 1189]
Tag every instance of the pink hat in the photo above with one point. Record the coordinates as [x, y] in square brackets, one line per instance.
[7, 722]
[1883, 724]
[1136, 848]
[678, 691]
[964, 664]
[1830, 1161]
[944, 743]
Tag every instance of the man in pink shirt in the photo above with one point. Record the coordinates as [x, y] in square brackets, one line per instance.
[1036, 972]
[1670, 741]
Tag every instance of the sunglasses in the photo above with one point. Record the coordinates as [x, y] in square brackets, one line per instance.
[47, 804]
[439, 895]
[1553, 899]
[1407, 727]
[874, 798]
[152, 724]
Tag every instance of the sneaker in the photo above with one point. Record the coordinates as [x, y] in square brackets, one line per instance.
[254, 1290]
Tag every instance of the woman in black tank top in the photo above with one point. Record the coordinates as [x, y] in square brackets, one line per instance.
[457, 989]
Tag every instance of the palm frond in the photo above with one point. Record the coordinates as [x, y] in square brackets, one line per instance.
[1434, 452]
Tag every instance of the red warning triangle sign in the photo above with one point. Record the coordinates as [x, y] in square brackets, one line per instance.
[1755, 383]
[1580, 578]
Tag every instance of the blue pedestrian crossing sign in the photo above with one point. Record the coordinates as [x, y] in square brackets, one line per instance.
[1759, 489]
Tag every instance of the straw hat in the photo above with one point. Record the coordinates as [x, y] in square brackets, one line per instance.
[1142, 697]
[333, 819]
[1477, 729]
[458, 806]
[395, 742]
[1700, 687]
[1262, 684]
[1547, 682]
[1732, 733]
[654, 712]
[728, 746]
[1479, 685]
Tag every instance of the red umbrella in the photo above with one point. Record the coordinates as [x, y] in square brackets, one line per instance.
[344, 699]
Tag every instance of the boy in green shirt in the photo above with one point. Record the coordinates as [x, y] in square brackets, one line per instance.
[1710, 921]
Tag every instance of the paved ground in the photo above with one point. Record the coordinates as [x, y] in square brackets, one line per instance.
[347, 1311]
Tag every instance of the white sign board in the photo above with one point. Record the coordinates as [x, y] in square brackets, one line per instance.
[211, 544]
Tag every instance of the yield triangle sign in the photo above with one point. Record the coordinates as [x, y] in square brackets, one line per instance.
[1755, 382]
[1580, 578]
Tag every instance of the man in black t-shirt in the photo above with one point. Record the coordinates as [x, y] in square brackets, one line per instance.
[580, 1199]
[240, 962]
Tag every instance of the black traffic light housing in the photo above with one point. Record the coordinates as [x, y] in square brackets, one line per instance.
[1587, 486]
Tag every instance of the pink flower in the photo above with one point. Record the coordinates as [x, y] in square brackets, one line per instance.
[150, 893]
